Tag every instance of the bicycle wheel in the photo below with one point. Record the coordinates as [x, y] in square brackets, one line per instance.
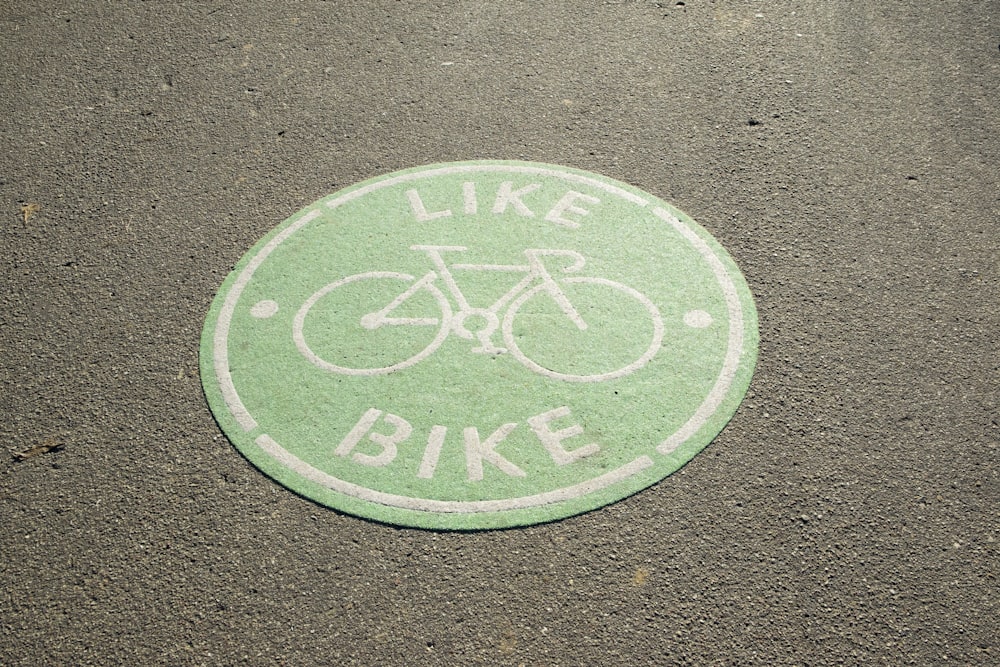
[333, 328]
[623, 331]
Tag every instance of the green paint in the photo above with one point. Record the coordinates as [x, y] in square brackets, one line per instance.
[479, 345]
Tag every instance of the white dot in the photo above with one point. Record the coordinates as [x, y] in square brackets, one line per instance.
[264, 309]
[698, 319]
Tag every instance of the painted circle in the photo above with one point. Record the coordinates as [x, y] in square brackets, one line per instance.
[698, 319]
[298, 326]
[651, 350]
[264, 309]
[479, 345]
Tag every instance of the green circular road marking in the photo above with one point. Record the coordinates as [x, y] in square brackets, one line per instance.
[479, 345]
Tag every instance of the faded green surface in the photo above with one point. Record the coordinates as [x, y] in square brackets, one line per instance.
[310, 409]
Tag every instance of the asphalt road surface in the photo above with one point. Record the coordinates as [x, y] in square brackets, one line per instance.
[845, 153]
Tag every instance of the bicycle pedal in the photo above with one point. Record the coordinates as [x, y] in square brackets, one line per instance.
[496, 351]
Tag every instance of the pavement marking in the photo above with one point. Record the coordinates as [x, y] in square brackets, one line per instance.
[479, 345]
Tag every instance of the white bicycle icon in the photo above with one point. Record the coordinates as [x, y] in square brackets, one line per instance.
[536, 282]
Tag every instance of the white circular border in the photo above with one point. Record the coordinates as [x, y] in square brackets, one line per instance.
[716, 395]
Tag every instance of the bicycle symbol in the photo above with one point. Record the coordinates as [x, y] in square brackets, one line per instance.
[537, 283]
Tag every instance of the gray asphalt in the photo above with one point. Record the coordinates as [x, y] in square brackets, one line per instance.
[845, 153]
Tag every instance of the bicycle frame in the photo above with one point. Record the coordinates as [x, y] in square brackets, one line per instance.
[534, 270]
